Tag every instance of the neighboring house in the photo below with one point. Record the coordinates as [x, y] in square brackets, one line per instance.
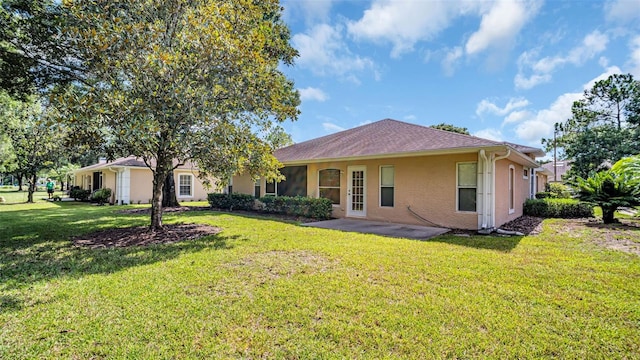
[130, 181]
[399, 172]
[557, 170]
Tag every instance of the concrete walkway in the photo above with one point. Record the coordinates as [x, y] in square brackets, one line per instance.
[380, 228]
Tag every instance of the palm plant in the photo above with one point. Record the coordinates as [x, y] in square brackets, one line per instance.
[610, 190]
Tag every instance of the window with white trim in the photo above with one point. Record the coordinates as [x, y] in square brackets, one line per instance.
[525, 174]
[329, 184]
[387, 186]
[512, 191]
[185, 185]
[467, 186]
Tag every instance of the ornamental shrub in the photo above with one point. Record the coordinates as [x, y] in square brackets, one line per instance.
[233, 201]
[79, 194]
[317, 208]
[558, 191]
[558, 208]
[101, 196]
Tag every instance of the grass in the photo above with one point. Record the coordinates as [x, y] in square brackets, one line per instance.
[11, 195]
[266, 288]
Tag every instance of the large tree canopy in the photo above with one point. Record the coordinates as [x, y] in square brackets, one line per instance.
[177, 80]
[34, 53]
[605, 125]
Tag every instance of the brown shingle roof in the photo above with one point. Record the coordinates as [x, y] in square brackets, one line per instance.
[384, 137]
[131, 161]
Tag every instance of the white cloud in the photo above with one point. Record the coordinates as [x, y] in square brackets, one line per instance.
[516, 117]
[501, 24]
[410, 117]
[542, 69]
[450, 60]
[323, 50]
[623, 11]
[487, 107]
[542, 123]
[331, 127]
[311, 93]
[403, 23]
[490, 134]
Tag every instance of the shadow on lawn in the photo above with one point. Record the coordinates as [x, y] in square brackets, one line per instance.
[38, 247]
[504, 244]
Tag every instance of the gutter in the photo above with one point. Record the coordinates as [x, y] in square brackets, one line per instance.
[485, 192]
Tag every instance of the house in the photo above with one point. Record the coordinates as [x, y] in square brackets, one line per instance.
[399, 172]
[557, 170]
[130, 181]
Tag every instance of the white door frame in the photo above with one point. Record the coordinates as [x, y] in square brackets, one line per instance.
[357, 193]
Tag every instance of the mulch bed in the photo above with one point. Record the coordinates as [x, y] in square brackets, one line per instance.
[141, 236]
[528, 225]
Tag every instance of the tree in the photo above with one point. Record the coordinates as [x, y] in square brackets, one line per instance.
[278, 138]
[34, 54]
[451, 128]
[179, 80]
[604, 126]
[609, 190]
[35, 140]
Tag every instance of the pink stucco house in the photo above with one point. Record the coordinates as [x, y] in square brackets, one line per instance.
[399, 172]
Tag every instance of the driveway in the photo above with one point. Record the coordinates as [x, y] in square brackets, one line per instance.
[380, 228]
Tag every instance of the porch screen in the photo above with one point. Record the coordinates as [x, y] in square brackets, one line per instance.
[295, 183]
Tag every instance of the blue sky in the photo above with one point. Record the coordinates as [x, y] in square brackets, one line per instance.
[506, 70]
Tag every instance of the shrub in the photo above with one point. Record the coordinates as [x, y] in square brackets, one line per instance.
[317, 208]
[558, 208]
[101, 196]
[558, 191]
[79, 194]
[543, 195]
[234, 201]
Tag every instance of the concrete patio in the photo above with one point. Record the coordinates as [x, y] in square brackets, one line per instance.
[380, 228]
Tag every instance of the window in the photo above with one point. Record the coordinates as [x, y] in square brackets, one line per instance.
[185, 185]
[256, 189]
[467, 186]
[512, 193]
[525, 174]
[329, 185]
[387, 180]
[270, 188]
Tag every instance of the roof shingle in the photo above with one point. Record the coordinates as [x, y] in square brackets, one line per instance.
[384, 137]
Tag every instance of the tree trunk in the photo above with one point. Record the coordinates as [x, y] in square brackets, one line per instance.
[19, 176]
[608, 214]
[169, 198]
[32, 188]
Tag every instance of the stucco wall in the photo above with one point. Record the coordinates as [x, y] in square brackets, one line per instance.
[425, 184]
[244, 185]
[521, 191]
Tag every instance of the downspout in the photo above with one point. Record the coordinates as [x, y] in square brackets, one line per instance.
[493, 186]
[485, 186]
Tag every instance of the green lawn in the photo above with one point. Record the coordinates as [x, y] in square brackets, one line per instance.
[269, 289]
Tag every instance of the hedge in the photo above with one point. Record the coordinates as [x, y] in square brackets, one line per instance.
[317, 208]
[297, 206]
[233, 201]
[558, 208]
[79, 194]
